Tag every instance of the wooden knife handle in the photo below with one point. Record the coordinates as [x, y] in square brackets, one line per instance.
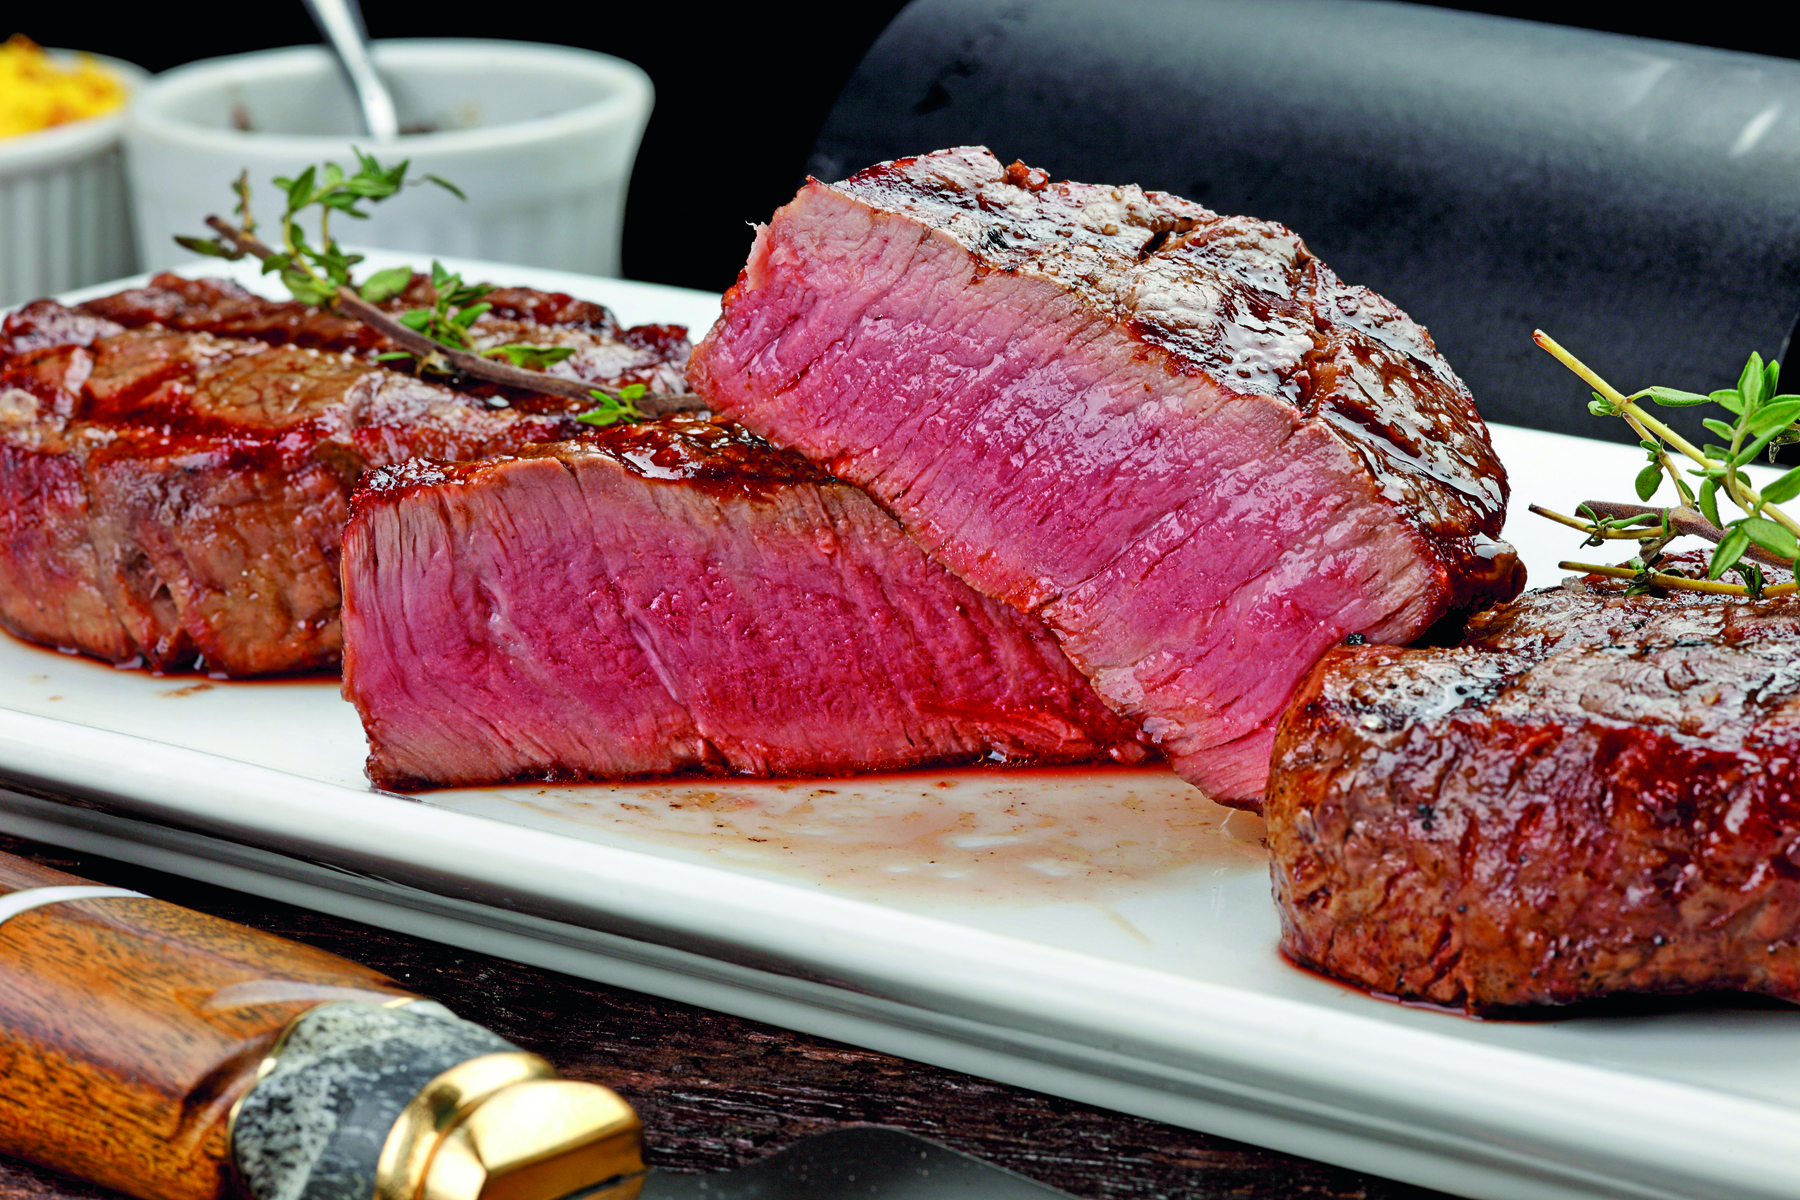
[129, 1027]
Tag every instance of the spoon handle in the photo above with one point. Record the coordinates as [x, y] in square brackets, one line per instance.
[341, 22]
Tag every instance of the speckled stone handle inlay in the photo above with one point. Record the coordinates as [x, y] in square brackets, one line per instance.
[313, 1128]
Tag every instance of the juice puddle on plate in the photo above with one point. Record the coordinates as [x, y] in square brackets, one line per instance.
[1009, 836]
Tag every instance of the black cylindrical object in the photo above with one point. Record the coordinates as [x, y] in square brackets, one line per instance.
[1639, 200]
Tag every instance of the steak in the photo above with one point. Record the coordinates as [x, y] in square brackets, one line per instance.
[605, 352]
[1592, 793]
[176, 462]
[1174, 436]
[679, 597]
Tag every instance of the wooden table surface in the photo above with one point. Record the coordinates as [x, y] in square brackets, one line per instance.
[715, 1091]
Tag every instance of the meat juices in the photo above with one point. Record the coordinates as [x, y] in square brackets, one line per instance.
[1593, 793]
[175, 491]
[679, 597]
[1175, 437]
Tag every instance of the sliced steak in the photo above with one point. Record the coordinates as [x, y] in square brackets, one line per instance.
[172, 496]
[679, 597]
[1593, 793]
[1176, 437]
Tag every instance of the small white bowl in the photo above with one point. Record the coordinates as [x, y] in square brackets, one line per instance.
[64, 220]
[540, 138]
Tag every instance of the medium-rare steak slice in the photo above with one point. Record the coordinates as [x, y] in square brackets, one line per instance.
[1174, 436]
[171, 495]
[1593, 793]
[679, 597]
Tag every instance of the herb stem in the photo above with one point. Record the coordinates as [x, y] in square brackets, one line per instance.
[1677, 581]
[242, 187]
[1682, 520]
[295, 257]
[505, 374]
[1641, 422]
[1644, 534]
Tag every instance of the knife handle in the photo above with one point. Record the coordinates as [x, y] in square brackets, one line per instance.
[130, 1026]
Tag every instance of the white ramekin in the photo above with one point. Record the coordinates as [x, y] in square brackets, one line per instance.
[540, 138]
[64, 220]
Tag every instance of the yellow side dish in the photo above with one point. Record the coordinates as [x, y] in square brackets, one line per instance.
[37, 92]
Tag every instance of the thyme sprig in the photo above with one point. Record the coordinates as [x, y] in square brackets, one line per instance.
[618, 409]
[456, 306]
[438, 338]
[313, 274]
[1651, 578]
[1761, 421]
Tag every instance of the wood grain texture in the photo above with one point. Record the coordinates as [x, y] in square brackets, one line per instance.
[716, 1091]
[137, 1023]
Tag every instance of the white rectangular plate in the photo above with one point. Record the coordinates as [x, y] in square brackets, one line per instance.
[1101, 934]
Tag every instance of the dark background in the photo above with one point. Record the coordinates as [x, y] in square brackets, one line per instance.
[740, 93]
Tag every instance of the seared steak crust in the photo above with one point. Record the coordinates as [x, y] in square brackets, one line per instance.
[1177, 437]
[679, 597]
[1593, 793]
[170, 494]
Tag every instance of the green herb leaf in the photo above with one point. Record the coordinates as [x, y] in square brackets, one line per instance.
[300, 189]
[1749, 452]
[1774, 538]
[1708, 501]
[1730, 400]
[535, 358]
[1774, 416]
[1783, 489]
[1648, 480]
[385, 285]
[447, 186]
[415, 319]
[391, 355]
[1731, 548]
[471, 314]
[1673, 397]
[1750, 383]
[1719, 427]
[306, 289]
[615, 410]
[1600, 406]
[211, 247]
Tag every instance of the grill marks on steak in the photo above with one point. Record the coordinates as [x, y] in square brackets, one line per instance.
[170, 494]
[1174, 436]
[1593, 793]
[679, 597]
